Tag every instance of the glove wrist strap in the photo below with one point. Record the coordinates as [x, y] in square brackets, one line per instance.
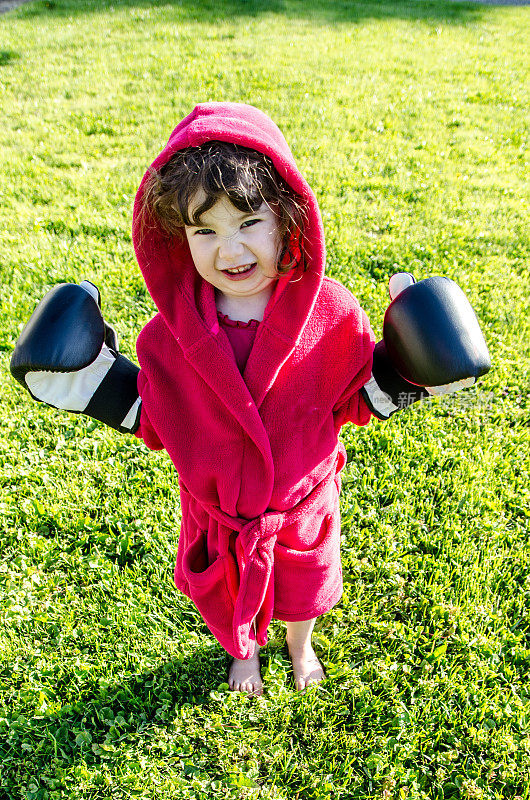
[387, 391]
[115, 396]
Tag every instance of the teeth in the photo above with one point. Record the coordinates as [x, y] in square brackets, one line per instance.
[239, 269]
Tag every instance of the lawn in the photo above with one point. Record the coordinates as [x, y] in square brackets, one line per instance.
[409, 120]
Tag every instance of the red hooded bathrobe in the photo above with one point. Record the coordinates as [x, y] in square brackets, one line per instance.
[257, 454]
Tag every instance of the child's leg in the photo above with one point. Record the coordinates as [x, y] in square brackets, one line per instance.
[306, 666]
[244, 674]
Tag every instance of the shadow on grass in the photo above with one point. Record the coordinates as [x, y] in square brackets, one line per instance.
[322, 12]
[109, 722]
[7, 56]
[115, 723]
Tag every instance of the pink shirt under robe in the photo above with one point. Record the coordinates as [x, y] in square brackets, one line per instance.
[241, 336]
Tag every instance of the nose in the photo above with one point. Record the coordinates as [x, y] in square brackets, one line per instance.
[230, 247]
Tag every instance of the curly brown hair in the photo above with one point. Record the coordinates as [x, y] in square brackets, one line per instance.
[247, 177]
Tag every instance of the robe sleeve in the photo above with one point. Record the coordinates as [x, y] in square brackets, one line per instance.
[145, 429]
[358, 350]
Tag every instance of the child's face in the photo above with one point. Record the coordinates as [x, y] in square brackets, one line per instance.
[229, 240]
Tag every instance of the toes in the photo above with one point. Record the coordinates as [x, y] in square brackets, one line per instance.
[251, 688]
[307, 674]
[305, 683]
[245, 687]
[244, 677]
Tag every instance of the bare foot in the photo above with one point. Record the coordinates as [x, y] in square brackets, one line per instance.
[244, 674]
[307, 668]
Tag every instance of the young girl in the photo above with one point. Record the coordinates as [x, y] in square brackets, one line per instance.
[249, 369]
[247, 374]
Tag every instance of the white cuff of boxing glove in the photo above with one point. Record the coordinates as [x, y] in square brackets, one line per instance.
[71, 391]
[132, 415]
[448, 388]
[380, 401]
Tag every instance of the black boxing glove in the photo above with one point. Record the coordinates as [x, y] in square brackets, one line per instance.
[67, 356]
[432, 345]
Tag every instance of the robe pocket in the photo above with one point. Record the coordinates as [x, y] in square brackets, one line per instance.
[305, 579]
[213, 587]
[327, 541]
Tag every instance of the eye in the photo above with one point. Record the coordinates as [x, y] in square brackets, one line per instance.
[250, 222]
[203, 232]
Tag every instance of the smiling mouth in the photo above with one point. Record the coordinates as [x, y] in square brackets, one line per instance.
[240, 270]
[238, 273]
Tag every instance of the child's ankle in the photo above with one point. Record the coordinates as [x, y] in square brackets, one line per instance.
[299, 646]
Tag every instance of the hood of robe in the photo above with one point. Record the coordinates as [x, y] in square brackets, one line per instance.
[171, 278]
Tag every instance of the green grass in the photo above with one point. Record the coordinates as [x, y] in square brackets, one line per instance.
[409, 120]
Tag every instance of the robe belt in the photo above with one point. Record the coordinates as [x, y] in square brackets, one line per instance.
[255, 599]
[255, 549]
